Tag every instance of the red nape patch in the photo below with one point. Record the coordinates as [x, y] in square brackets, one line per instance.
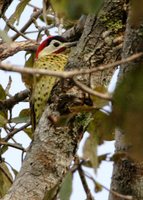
[42, 46]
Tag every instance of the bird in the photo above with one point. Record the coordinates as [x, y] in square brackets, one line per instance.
[52, 54]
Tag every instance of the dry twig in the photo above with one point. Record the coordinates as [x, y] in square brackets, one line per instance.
[35, 15]
[83, 179]
[16, 146]
[9, 103]
[14, 29]
[121, 196]
[66, 74]
[71, 74]
[85, 88]
[10, 135]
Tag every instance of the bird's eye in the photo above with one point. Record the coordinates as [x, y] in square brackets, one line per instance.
[56, 44]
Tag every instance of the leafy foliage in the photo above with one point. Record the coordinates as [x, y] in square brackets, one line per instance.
[90, 152]
[98, 102]
[27, 79]
[5, 182]
[96, 122]
[75, 8]
[24, 117]
[66, 187]
[128, 110]
[3, 112]
[100, 127]
[17, 14]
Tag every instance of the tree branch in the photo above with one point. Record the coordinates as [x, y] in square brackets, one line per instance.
[67, 74]
[11, 134]
[75, 32]
[9, 50]
[83, 87]
[16, 146]
[121, 196]
[83, 179]
[14, 29]
[9, 103]
[35, 15]
[71, 74]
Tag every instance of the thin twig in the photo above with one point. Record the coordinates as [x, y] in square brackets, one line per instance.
[83, 180]
[9, 103]
[71, 74]
[16, 146]
[35, 15]
[127, 197]
[10, 135]
[65, 74]
[14, 29]
[6, 174]
[85, 88]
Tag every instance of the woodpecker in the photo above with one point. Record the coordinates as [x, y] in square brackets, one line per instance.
[52, 54]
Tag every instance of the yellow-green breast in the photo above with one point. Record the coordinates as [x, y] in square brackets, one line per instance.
[42, 85]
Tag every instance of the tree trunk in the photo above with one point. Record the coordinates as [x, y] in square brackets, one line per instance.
[127, 175]
[54, 146]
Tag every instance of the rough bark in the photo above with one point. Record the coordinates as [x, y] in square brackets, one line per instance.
[75, 32]
[53, 147]
[7, 50]
[127, 176]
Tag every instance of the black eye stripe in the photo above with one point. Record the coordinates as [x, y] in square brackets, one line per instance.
[56, 44]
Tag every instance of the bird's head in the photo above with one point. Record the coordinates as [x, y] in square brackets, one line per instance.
[53, 44]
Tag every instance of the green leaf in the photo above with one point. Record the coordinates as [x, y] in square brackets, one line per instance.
[90, 152]
[3, 112]
[2, 93]
[66, 187]
[98, 102]
[98, 187]
[50, 194]
[5, 183]
[5, 37]
[27, 78]
[75, 8]
[102, 158]
[49, 20]
[3, 149]
[24, 113]
[3, 121]
[24, 117]
[128, 111]
[101, 127]
[30, 61]
[17, 14]
[137, 13]
[28, 131]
